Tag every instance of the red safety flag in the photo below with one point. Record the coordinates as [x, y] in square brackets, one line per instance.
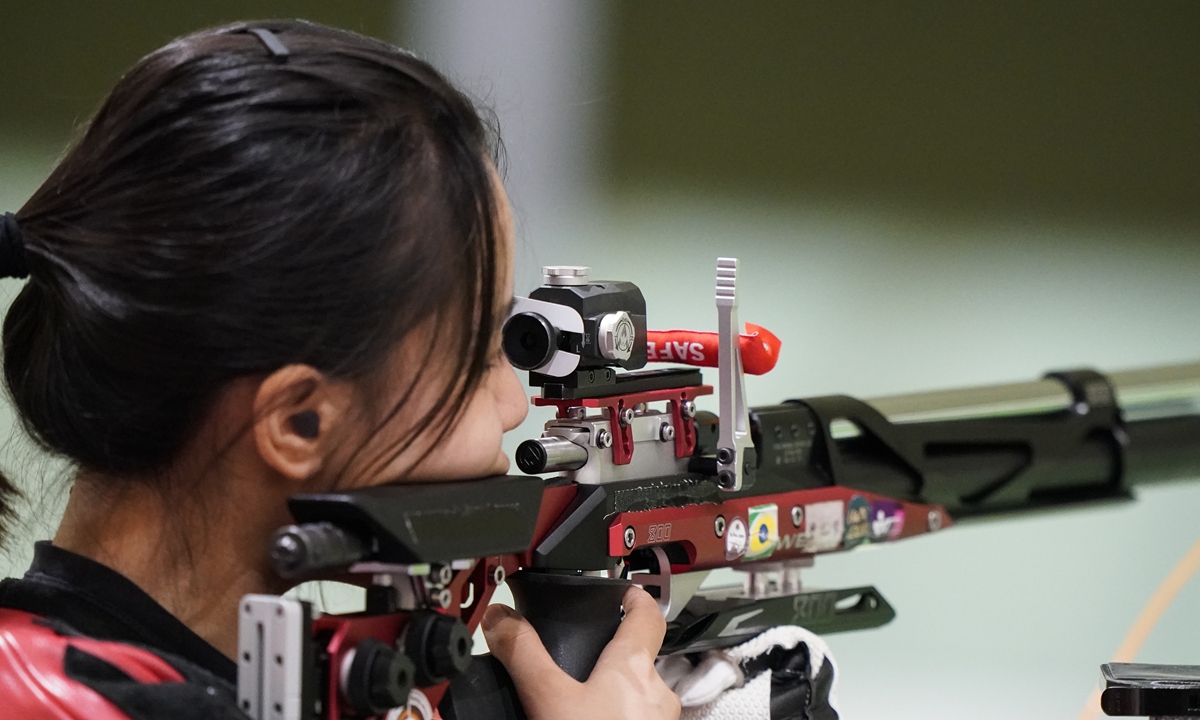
[760, 348]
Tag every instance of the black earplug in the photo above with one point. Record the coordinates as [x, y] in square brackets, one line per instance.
[306, 424]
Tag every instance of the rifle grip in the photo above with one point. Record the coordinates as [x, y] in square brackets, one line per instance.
[575, 617]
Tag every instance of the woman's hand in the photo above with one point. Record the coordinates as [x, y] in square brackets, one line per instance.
[624, 683]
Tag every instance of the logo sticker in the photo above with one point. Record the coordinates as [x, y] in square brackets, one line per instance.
[824, 524]
[735, 539]
[887, 520]
[764, 531]
[858, 522]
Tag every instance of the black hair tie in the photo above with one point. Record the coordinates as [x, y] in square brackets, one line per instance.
[12, 248]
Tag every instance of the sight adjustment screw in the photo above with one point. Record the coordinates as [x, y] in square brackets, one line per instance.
[797, 516]
[666, 432]
[630, 537]
[441, 575]
[603, 439]
[719, 526]
[935, 521]
[625, 416]
[687, 409]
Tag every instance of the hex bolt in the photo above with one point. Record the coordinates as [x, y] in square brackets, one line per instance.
[666, 432]
[725, 456]
[687, 409]
[935, 521]
[630, 537]
[442, 598]
[797, 516]
[625, 416]
[603, 439]
[719, 526]
[726, 480]
[499, 575]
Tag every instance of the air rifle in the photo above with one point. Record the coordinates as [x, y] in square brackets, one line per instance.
[653, 492]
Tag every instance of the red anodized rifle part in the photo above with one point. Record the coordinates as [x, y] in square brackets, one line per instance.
[694, 527]
[471, 591]
[622, 447]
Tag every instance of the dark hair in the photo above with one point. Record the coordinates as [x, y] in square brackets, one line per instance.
[228, 212]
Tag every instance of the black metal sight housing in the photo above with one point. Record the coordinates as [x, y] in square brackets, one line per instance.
[573, 333]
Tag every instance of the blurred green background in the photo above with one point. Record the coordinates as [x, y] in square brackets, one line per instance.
[922, 195]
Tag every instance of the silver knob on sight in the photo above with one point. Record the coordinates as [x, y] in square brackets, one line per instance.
[565, 275]
[550, 454]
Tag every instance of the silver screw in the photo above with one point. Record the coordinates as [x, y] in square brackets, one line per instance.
[577, 413]
[797, 516]
[603, 439]
[666, 432]
[719, 526]
[498, 575]
[935, 521]
[441, 574]
[442, 598]
[625, 417]
[688, 409]
[630, 537]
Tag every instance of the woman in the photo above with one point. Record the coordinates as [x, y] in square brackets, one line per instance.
[276, 262]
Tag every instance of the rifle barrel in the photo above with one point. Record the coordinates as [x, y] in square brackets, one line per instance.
[1142, 394]
[968, 467]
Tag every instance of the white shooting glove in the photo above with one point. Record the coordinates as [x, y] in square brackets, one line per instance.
[786, 673]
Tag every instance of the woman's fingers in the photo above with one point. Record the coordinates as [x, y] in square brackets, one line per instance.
[641, 632]
[514, 642]
[623, 686]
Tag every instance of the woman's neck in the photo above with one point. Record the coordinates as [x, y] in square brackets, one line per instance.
[196, 557]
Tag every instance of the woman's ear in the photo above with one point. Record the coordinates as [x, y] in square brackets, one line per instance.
[297, 410]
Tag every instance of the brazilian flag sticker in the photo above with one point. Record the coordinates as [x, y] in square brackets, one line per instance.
[764, 531]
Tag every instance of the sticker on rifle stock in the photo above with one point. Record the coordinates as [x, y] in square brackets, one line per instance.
[735, 539]
[887, 520]
[858, 522]
[824, 524]
[764, 531]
